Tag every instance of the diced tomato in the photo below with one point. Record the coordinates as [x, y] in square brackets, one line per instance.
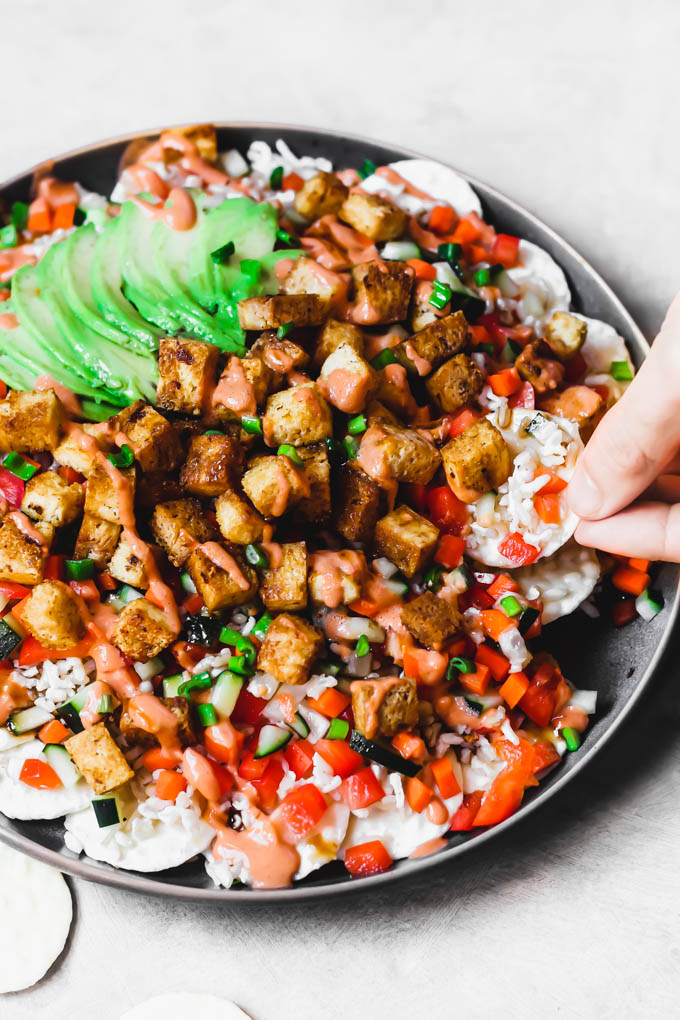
[87, 590]
[539, 703]
[367, 858]
[464, 818]
[442, 219]
[478, 681]
[248, 708]
[466, 232]
[637, 564]
[53, 732]
[156, 758]
[450, 551]
[544, 755]
[299, 811]
[515, 549]
[576, 367]
[478, 597]
[505, 383]
[554, 484]
[193, 603]
[445, 778]
[3, 385]
[39, 775]
[602, 391]
[423, 270]
[524, 397]
[105, 582]
[505, 794]
[11, 590]
[299, 757]
[63, 220]
[54, 568]
[548, 508]
[269, 783]
[330, 703]
[416, 496]
[447, 512]
[501, 585]
[170, 784]
[623, 612]
[251, 767]
[32, 652]
[457, 423]
[70, 475]
[514, 688]
[409, 746]
[495, 622]
[630, 581]
[292, 182]
[361, 790]
[340, 756]
[496, 662]
[12, 488]
[364, 607]
[224, 778]
[418, 794]
[505, 250]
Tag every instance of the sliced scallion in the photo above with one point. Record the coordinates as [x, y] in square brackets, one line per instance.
[338, 729]
[256, 557]
[8, 236]
[367, 169]
[79, 570]
[19, 215]
[289, 451]
[221, 255]
[572, 738]
[283, 331]
[199, 682]
[285, 238]
[357, 424]
[252, 424]
[262, 626]
[621, 371]
[450, 252]
[440, 296]
[383, 359]
[362, 647]
[19, 466]
[511, 606]
[276, 178]
[462, 664]
[351, 447]
[207, 715]
[125, 458]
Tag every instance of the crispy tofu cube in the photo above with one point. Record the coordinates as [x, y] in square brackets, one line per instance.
[126, 567]
[204, 137]
[357, 504]
[407, 539]
[427, 349]
[422, 313]
[347, 380]
[290, 646]
[382, 292]
[394, 392]
[219, 588]
[321, 195]
[317, 506]
[47, 531]
[213, 465]
[101, 761]
[334, 333]
[299, 415]
[30, 421]
[308, 277]
[51, 614]
[154, 441]
[477, 460]
[430, 620]
[403, 454]
[47, 497]
[279, 356]
[384, 706]
[142, 631]
[69, 452]
[237, 520]
[181, 708]
[244, 381]
[566, 334]
[274, 484]
[376, 217]
[272, 312]
[186, 370]
[22, 558]
[538, 364]
[97, 540]
[101, 498]
[284, 587]
[378, 414]
[335, 577]
[177, 525]
[455, 383]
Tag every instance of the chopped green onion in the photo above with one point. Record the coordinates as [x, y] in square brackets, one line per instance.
[572, 738]
[383, 359]
[105, 705]
[450, 252]
[285, 238]
[251, 268]
[252, 424]
[329, 669]
[283, 331]
[440, 296]
[207, 714]
[276, 178]
[8, 236]
[357, 424]
[213, 432]
[487, 348]
[199, 682]
[19, 215]
[332, 446]
[433, 577]
[482, 277]
[237, 664]
[228, 636]
[125, 458]
[362, 647]
[511, 606]
[367, 169]
[338, 729]
[462, 664]
[649, 604]
[187, 583]
[19, 466]
[79, 570]
[289, 451]
[262, 626]
[256, 556]
[351, 447]
[621, 371]
[222, 255]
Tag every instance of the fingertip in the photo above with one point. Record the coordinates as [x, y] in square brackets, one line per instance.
[583, 493]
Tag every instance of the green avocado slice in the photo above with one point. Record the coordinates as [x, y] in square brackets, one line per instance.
[106, 280]
[137, 265]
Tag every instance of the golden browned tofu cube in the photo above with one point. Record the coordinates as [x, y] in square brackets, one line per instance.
[347, 381]
[22, 557]
[97, 540]
[566, 334]
[317, 506]
[422, 313]
[299, 415]
[274, 485]
[219, 588]
[154, 441]
[51, 614]
[237, 520]
[402, 453]
[70, 454]
[181, 708]
[429, 347]
[177, 525]
[101, 761]
[47, 497]
[321, 195]
[431, 620]
[373, 216]
[47, 531]
[142, 631]
[126, 567]
[384, 706]
[101, 498]
[382, 292]
[284, 586]
[378, 414]
[186, 370]
[407, 539]
[336, 576]
[394, 393]
[30, 421]
[454, 384]
[279, 356]
[272, 312]
[476, 461]
[204, 137]
[308, 277]
[357, 504]
[538, 364]
[334, 333]
[213, 464]
[244, 381]
[290, 646]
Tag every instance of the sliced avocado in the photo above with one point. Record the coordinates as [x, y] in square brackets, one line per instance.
[14, 374]
[136, 261]
[106, 279]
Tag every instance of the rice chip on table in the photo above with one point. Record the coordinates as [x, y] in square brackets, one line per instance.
[180, 1005]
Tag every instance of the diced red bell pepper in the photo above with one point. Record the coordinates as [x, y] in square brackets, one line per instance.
[248, 708]
[464, 818]
[170, 784]
[300, 756]
[32, 652]
[53, 732]
[70, 475]
[548, 508]
[54, 568]
[361, 790]
[505, 794]
[505, 250]
[505, 383]
[445, 778]
[457, 423]
[554, 484]
[501, 585]
[224, 778]
[623, 612]
[12, 488]
[416, 496]
[367, 858]
[11, 590]
[268, 784]
[299, 811]
[251, 768]
[39, 775]
[495, 661]
[545, 755]
[292, 182]
[157, 758]
[447, 512]
[340, 756]
[515, 549]
[539, 703]
[450, 551]
[87, 590]
[330, 702]
[477, 682]
[524, 397]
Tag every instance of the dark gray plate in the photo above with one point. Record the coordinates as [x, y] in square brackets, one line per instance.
[620, 664]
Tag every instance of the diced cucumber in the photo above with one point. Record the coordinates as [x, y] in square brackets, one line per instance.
[271, 738]
[60, 760]
[649, 604]
[382, 755]
[107, 810]
[150, 669]
[225, 693]
[399, 251]
[396, 587]
[300, 726]
[25, 719]
[338, 729]
[128, 594]
[538, 426]
[187, 584]
[12, 622]
[171, 685]
[70, 711]
[9, 640]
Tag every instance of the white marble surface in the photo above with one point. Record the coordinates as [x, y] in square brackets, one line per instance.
[571, 109]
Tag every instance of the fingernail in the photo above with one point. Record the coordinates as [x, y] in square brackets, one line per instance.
[585, 498]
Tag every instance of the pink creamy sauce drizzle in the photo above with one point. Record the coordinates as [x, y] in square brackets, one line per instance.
[428, 848]
[381, 688]
[55, 192]
[455, 711]
[571, 717]
[8, 321]
[12, 259]
[225, 736]
[222, 559]
[396, 375]
[178, 212]
[325, 253]
[278, 360]
[431, 665]
[371, 459]
[380, 342]
[273, 550]
[89, 716]
[27, 528]
[234, 391]
[331, 567]
[437, 812]
[422, 365]
[391, 175]
[150, 714]
[346, 390]
[271, 861]
[146, 179]
[69, 400]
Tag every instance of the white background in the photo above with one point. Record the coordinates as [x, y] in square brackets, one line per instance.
[571, 108]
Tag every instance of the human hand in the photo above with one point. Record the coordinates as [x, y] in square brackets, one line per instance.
[635, 452]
